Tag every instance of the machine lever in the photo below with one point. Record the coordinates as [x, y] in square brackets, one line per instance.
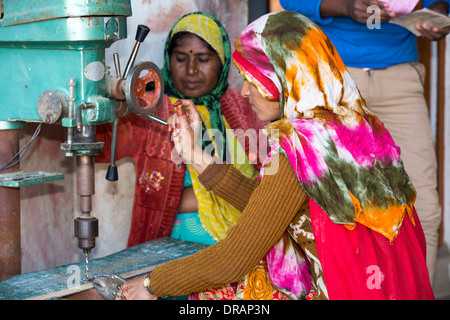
[112, 174]
[141, 33]
[117, 64]
[156, 119]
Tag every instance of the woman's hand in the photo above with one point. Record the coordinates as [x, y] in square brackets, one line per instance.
[186, 134]
[185, 130]
[134, 290]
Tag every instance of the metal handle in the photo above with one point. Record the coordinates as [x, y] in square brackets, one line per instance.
[112, 174]
[157, 119]
[141, 33]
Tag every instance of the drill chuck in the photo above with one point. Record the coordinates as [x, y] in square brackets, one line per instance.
[86, 230]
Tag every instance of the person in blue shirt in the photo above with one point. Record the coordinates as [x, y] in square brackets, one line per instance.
[383, 60]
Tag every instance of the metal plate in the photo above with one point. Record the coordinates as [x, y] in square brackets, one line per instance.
[20, 179]
[95, 71]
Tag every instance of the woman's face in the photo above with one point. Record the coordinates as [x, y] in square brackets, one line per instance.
[194, 66]
[266, 110]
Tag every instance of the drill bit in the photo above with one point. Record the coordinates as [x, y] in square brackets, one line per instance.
[88, 277]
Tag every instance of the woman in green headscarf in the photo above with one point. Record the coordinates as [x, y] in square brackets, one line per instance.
[199, 66]
[169, 200]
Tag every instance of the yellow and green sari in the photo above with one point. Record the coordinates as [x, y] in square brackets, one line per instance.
[214, 215]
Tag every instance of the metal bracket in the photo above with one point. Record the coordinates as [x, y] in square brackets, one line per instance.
[19, 179]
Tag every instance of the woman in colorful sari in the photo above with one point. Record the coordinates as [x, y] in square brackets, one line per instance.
[169, 200]
[333, 215]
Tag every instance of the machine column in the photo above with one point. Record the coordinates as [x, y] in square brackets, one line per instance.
[10, 251]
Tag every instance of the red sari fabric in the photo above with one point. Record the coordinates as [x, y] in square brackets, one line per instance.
[363, 264]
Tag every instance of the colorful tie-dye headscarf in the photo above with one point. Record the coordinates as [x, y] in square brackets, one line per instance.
[212, 31]
[342, 154]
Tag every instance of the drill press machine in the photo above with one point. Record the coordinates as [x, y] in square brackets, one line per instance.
[52, 57]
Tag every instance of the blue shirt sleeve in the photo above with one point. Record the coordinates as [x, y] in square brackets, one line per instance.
[308, 8]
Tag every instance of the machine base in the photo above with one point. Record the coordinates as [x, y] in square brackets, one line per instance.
[56, 283]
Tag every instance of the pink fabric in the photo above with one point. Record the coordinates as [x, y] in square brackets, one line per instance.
[287, 268]
[253, 74]
[363, 264]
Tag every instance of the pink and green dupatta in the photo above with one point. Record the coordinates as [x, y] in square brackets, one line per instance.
[344, 158]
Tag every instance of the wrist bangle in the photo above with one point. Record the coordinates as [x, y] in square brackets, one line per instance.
[147, 284]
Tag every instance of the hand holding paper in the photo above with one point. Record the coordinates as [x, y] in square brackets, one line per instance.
[424, 17]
